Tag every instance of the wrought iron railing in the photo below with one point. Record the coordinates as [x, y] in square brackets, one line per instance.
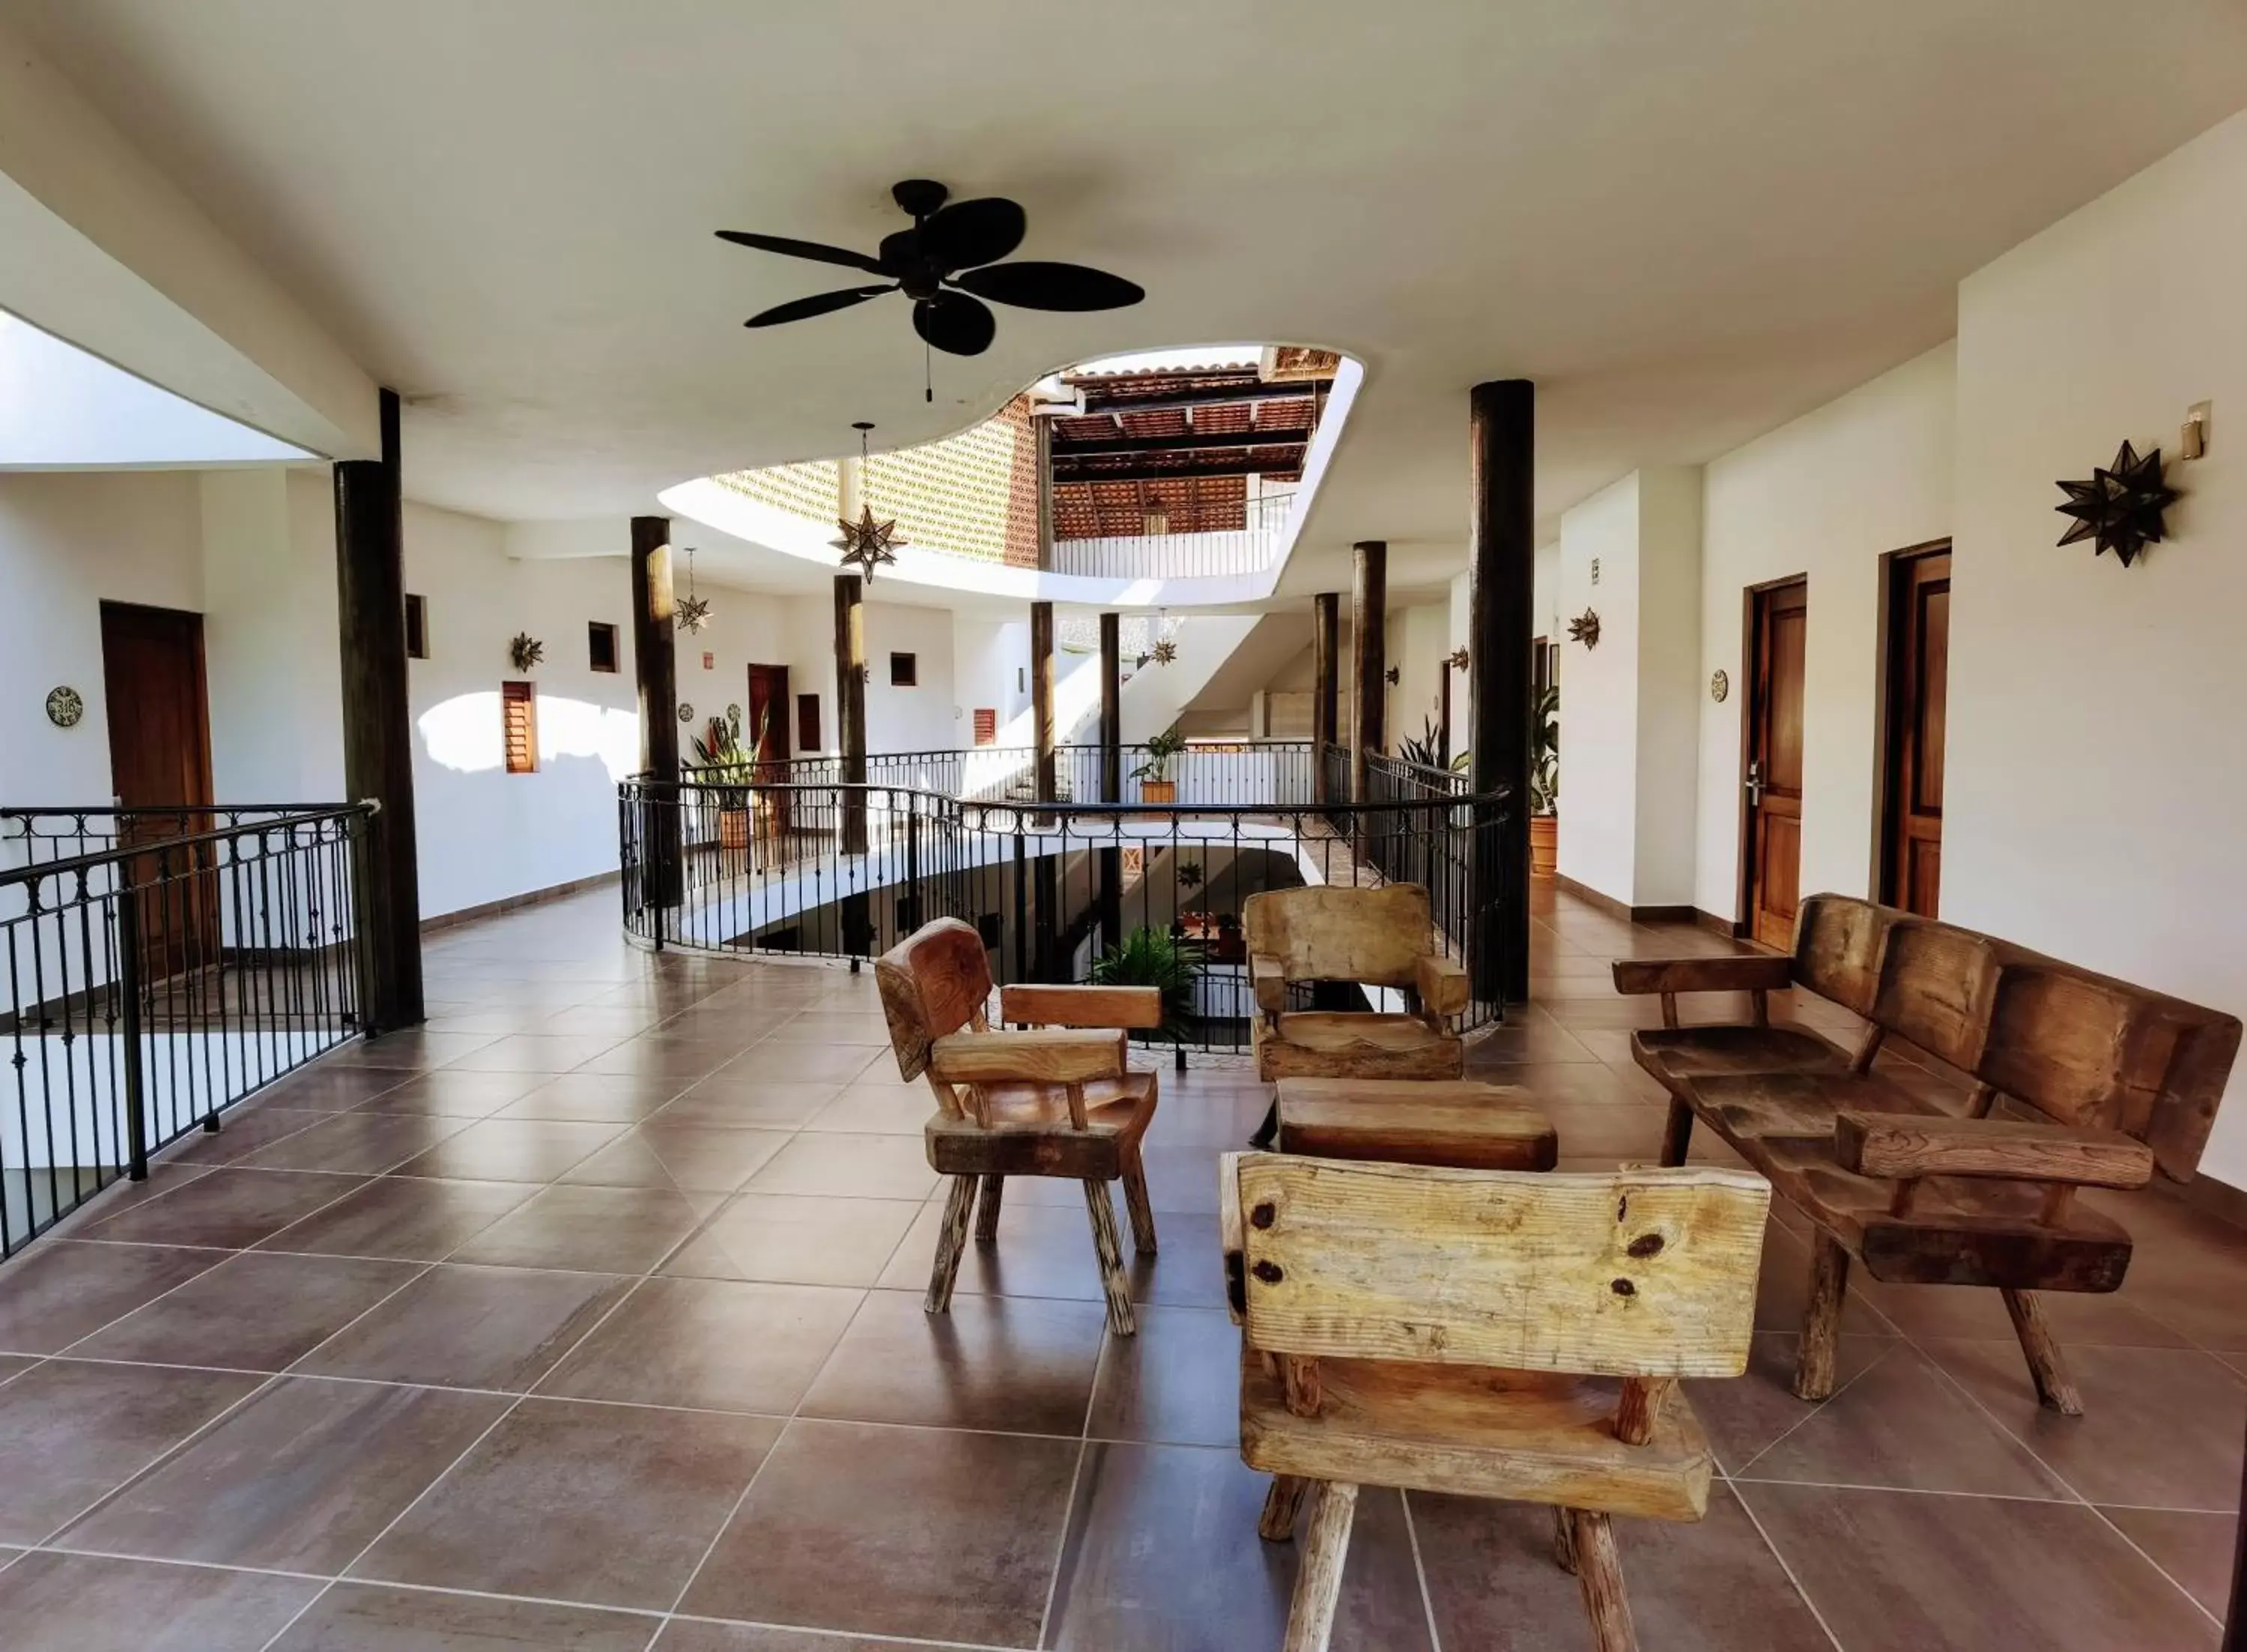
[1242, 772]
[846, 871]
[160, 964]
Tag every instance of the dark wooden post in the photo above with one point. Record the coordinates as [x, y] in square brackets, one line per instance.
[378, 723]
[1325, 694]
[1111, 775]
[1042, 722]
[1501, 558]
[656, 666]
[1444, 715]
[1369, 615]
[851, 704]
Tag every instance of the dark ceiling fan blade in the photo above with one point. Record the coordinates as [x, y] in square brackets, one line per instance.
[1034, 286]
[817, 304]
[973, 232]
[955, 324]
[812, 249]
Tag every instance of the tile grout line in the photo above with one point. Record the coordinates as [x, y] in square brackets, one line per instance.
[1420, 1572]
[1811, 1410]
[1787, 1570]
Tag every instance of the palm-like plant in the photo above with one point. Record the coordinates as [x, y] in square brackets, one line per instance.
[1161, 750]
[1155, 958]
[1545, 752]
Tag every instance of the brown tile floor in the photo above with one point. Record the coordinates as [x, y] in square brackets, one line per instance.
[589, 1317]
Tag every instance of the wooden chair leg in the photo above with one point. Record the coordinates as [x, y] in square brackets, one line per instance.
[959, 1205]
[1109, 1247]
[986, 1211]
[1135, 1202]
[1564, 1540]
[1318, 1581]
[1599, 1573]
[2053, 1385]
[1282, 1504]
[1678, 1134]
[1822, 1322]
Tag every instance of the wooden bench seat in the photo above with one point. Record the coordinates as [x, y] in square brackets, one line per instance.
[2077, 1080]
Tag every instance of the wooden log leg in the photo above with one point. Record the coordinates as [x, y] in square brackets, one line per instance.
[1135, 1202]
[1678, 1134]
[987, 1213]
[1599, 1573]
[952, 1239]
[1282, 1504]
[1318, 1581]
[2053, 1385]
[1109, 1248]
[1564, 1540]
[1822, 1322]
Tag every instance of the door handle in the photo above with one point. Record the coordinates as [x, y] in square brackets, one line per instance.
[1755, 785]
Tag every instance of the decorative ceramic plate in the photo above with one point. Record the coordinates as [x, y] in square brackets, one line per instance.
[64, 707]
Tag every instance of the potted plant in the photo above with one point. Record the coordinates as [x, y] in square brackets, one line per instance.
[1544, 783]
[1156, 785]
[1158, 959]
[722, 762]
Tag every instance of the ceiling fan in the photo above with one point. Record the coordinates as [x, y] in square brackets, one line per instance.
[946, 263]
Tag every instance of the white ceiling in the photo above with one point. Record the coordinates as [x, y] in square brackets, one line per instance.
[1688, 219]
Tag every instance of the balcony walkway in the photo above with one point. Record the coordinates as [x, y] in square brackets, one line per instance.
[589, 1317]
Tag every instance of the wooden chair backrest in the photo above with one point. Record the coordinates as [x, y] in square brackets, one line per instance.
[2082, 1048]
[933, 982]
[1374, 936]
[1636, 1272]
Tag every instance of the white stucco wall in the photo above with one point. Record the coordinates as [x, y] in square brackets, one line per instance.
[1825, 495]
[2094, 789]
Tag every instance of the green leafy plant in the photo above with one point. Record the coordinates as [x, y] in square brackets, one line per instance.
[1158, 959]
[1161, 750]
[1424, 748]
[1545, 752]
[721, 759]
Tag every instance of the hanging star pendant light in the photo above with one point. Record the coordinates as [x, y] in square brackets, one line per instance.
[693, 612]
[867, 544]
[2120, 508]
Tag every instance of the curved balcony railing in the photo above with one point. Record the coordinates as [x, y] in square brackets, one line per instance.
[821, 869]
[1249, 548]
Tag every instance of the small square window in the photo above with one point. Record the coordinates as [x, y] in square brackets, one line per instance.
[905, 671]
[518, 705]
[417, 626]
[601, 645]
[986, 726]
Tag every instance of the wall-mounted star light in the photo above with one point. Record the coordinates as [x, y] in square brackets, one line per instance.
[2120, 507]
[1458, 660]
[693, 612]
[866, 544]
[1585, 628]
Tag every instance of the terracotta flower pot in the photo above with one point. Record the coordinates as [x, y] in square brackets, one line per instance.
[733, 829]
[1544, 844]
[1158, 791]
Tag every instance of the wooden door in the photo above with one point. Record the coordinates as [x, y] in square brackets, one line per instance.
[1772, 783]
[1919, 660]
[768, 713]
[154, 692]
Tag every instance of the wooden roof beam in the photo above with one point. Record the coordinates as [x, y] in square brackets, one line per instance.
[1199, 441]
[1097, 401]
[1063, 478]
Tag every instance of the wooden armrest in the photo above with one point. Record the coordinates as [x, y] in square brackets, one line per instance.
[1757, 974]
[1058, 1055]
[1042, 1005]
[1906, 1145]
[1269, 976]
[1232, 1242]
[1442, 983]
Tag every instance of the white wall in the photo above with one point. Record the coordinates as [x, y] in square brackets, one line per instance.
[67, 542]
[1419, 639]
[2094, 789]
[1825, 495]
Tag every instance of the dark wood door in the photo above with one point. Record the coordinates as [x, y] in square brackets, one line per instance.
[153, 693]
[1773, 780]
[768, 713]
[1919, 663]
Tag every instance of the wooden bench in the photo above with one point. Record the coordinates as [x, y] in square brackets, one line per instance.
[2077, 1080]
[1458, 1122]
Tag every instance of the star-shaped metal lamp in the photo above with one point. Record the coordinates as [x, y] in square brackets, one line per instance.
[2120, 507]
[1163, 651]
[867, 544]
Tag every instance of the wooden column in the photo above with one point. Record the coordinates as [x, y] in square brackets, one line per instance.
[378, 724]
[1042, 440]
[1501, 555]
[851, 704]
[1111, 775]
[1046, 919]
[1326, 689]
[1369, 617]
[656, 666]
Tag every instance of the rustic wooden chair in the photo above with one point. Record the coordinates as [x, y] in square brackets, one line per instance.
[1379, 937]
[1057, 1100]
[2078, 1081]
[1459, 1331]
